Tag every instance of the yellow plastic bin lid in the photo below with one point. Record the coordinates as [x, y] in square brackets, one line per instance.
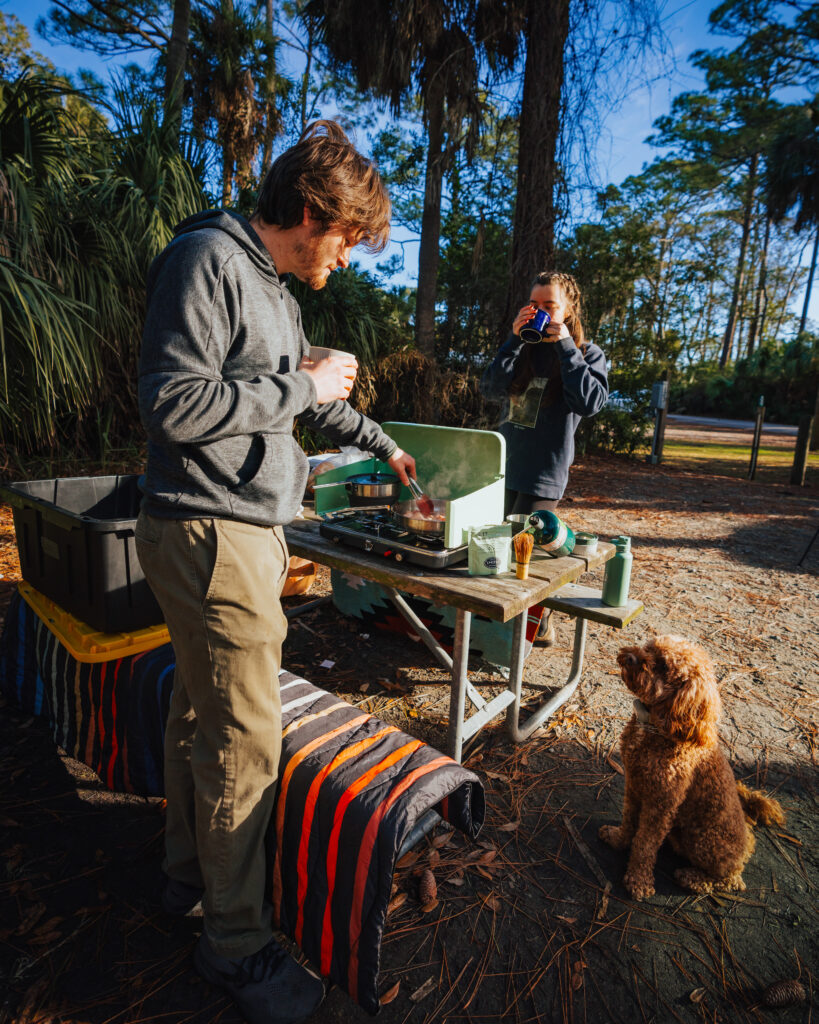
[85, 643]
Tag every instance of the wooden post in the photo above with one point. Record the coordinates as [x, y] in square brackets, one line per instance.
[660, 402]
[800, 455]
[760, 416]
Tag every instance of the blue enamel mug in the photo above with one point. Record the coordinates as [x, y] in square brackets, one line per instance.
[532, 331]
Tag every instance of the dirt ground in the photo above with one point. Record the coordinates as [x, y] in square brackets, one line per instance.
[532, 921]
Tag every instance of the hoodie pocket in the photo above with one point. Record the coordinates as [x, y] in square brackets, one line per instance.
[248, 471]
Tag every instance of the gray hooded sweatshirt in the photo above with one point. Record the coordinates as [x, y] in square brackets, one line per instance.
[219, 387]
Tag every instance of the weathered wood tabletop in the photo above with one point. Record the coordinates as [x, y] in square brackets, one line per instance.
[499, 597]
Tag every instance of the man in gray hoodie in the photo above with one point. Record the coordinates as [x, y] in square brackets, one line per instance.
[224, 371]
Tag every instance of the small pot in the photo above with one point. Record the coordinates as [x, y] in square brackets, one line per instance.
[408, 515]
[372, 488]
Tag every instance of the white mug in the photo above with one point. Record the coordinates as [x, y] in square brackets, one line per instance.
[318, 352]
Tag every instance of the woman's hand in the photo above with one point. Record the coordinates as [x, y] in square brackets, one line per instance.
[523, 317]
[555, 331]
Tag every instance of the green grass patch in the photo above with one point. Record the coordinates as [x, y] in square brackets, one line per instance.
[773, 464]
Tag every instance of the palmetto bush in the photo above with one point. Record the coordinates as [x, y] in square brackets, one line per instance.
[84, 207]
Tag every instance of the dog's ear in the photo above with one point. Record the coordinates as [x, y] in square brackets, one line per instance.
[692, 709]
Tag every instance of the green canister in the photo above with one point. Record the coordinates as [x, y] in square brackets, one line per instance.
[618, 573]
[551, 534]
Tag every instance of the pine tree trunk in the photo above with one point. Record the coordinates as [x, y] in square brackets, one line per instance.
[267, 150]
[547, 26]
[429, 252]
[739, 278]
[760, 300]
[175, 68]
[809, 286]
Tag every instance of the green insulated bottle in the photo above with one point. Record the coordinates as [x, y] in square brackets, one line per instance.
[551, 534]
[618, 573]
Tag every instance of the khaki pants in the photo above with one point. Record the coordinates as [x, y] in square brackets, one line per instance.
[218, 583]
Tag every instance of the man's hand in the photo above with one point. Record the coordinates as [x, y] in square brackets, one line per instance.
[402, 464]
[333, 377]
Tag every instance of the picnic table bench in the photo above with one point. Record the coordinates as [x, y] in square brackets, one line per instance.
[551, 582]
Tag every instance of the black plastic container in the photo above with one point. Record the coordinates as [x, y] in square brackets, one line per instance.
[76, 542]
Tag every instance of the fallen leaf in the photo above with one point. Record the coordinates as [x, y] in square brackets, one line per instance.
[423, 991]
[396, 902]
[441, 840]
[698, 995]
[30, 918]
[427, 907]
[577, 981]
[492, 901]
[613, 764]
[454, 881]
[568, 920]
[49, 926]
[390, 994]
[510, 826]
[408, 859]
[488, 857]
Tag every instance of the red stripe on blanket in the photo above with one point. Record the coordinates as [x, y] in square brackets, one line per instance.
[332, 847]
[365, 852]
[309, 810]
[114, 742]
[281, 800]
[100, 722]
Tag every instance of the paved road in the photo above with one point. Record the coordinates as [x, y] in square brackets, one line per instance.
[705, 421]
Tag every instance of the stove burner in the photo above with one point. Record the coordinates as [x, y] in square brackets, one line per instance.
[376, 530]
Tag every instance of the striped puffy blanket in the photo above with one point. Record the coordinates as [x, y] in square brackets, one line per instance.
[351, 787]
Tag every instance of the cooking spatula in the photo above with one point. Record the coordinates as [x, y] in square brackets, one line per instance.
[424, 502]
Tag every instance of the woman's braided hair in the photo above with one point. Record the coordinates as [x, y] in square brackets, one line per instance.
[524, 369]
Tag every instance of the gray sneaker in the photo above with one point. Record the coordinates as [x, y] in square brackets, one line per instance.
[268, 987]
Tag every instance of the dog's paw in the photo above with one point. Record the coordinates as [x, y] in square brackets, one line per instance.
[639, 885]
[614, 836]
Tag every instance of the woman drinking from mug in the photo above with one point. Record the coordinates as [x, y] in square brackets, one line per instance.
[550, 378]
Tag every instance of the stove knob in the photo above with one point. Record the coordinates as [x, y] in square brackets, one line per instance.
[399, 557]
[368, 545]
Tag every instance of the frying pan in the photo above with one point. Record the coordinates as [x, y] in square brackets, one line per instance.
[407, 515]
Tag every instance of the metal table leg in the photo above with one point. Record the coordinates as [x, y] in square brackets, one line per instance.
[460, 727]
[518, 731]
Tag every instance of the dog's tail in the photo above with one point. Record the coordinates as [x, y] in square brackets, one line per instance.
[760, 809]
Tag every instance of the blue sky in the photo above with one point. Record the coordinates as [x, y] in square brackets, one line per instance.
[621, 147]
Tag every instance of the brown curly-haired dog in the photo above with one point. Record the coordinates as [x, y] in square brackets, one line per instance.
[679, 786]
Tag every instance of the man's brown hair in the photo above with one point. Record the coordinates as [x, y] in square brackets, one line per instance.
[324, 172]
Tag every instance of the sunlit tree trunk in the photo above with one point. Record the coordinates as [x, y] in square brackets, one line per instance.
[175, 69]
[739, 277]
[761, 296]
[267, 150]
[547, 26]
[814, 441]
[809, 287]
[429, 253]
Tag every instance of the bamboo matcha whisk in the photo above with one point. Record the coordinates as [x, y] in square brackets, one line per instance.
[523, 544]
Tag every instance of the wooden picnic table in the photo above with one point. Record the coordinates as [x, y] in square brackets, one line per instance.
[502, 598]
